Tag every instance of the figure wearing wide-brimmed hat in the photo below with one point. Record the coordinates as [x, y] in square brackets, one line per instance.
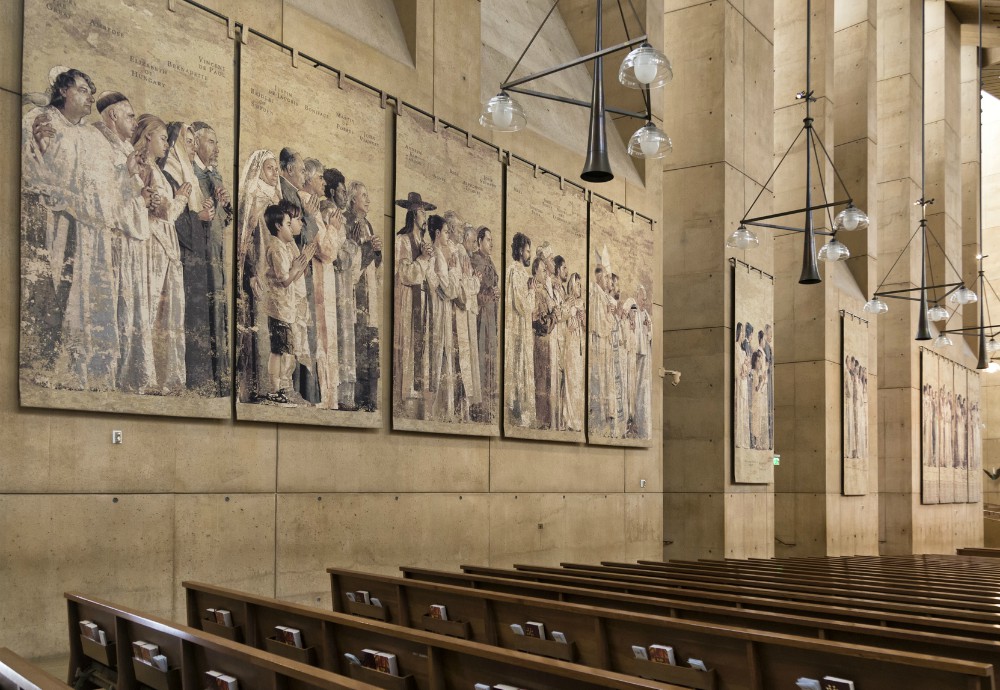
[412, 329]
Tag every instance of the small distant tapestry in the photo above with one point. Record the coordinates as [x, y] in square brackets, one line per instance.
[951, 432]
[309, 254]
[126, 208]
[446, 292]
[931, 426]
[545, 335]
[753, 375]
[855, 409]
[620, 349]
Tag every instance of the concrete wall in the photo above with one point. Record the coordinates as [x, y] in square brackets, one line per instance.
[266, 508]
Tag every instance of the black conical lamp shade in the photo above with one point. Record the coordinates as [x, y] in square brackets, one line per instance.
[597, 167]
[810, 269]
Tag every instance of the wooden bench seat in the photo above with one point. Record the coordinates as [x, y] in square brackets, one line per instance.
[191, 654]
[17, 673]
[696, 606]
[432, 661]
[485, 615]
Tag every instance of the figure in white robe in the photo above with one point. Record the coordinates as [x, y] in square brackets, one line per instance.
[574, 345]
[519, 353]
[330, 243]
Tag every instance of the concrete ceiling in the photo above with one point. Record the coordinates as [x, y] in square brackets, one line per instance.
[967, 12]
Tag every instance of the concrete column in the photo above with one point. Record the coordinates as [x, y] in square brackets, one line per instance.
[812, 517]
[720, 117]
[971, 103]
[908, 526]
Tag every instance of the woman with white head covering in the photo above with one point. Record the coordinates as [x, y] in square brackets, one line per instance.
[258, 190]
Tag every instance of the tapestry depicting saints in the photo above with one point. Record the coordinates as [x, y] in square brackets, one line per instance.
[620, 323]
[975, 478]
[948, 438]
[127, 211]
[447, 289]
[545, 307]
[855, 408]
[309, 244]
[931, 427]
[753, 375]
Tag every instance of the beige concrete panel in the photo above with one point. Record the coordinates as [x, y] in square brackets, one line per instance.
[352, 461]
[357, 58]
[549, 528]
[222, 456]
[530, 466]
[760, 15]
[800, 524]
[758, 98]
[698, 465]
[643, 527]
[373, 532]
[696, 300]
[749, 518]
[847, 13]
[854, 67]
[897, 514]
[694, 408]
[457, 54]
[898, 221]
[790, 50]
[694, 526]
[735, 74]
[852, 525]
[695, 233]
[262, 15]
[10, 45]
[899, 38]
[900, 436]
[806, 422]
[970, 103]
[118, 548]
[898, 127]
[226, 540]
[697, 36]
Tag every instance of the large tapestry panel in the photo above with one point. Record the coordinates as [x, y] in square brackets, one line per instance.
[126, 207]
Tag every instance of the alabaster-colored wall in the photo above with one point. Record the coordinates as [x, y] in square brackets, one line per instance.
[266, 508]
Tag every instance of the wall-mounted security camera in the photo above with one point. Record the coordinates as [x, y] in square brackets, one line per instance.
[675, 376]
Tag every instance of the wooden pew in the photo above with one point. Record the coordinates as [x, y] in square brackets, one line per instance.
[789, 589]
[428, 660]
[191, 654]
[677, 603]
[980, 551]
[484, 616]
[708, 592]
[17, 673]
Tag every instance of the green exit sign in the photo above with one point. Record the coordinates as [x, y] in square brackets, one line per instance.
[777, 460]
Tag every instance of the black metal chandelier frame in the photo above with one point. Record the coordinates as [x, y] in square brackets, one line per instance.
[814, 144]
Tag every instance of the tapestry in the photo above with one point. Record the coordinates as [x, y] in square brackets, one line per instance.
[753, 375]
[931, 426]
[126, 208]
[855, 409]
[545, 303]
[311, 225]
[620, 347]
[446, 280]
[975, 483]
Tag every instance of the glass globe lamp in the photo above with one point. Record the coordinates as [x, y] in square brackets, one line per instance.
[992, 347]
[937, 313]
[876, 306]
[850, 219]
[503, 114]
[742, 238]
[649, 141]
[645, 68]
[834, 250]
[962, 296]
[942, 340]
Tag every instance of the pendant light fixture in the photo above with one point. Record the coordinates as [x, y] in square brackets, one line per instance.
[956, 293]
[849, 219]
[644, 68]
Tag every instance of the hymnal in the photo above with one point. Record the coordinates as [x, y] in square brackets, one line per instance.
[363, 596]
[160, 663]
[807, 684]
[516, 627]
[640, 652]
[350, 597]
[662, 654]
[386, 663]
[149, 650]
[368, 658]
[101, 639]
[535, 629]
[559, 637]
[227, 683]
[224, 617]
[832, 683]
[137, 649]
[698, 664]
[293, 636]
[439, 611]
[482, 686]
[352, 659]
[376, 602]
